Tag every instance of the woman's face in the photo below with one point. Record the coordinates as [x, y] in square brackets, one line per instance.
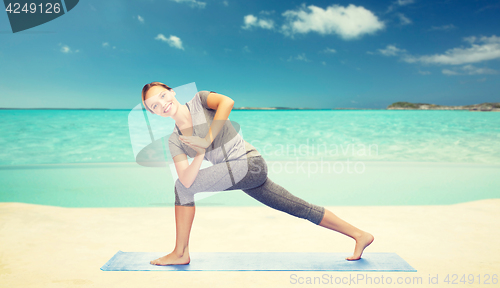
[161, 101]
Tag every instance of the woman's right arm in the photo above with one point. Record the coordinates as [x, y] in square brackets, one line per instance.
[187, 172]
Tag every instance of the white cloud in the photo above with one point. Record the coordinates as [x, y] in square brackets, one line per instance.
[391, 50]
[488, 50]
[225, 3]
[106, 45]
[324, 63]
[173, 41]
[249, 21]
[348, 22]
[469, 70]
[192, 3]
[300, 57]
[443, 28]
[470, 39]
[329, 50]
[449, 72]
[404, 20]
[252, 21]
[404, 2]
[398, 3]
[66, 49]
[140, 18]
[246, 49]
[264, 12]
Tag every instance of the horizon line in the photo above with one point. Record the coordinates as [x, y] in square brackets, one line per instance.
[241, 108]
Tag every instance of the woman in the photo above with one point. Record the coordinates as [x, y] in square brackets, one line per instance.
[202, 132]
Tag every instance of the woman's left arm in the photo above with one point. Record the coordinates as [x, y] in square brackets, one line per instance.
[223, 106]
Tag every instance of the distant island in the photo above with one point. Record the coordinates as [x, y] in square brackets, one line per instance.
[427, 106]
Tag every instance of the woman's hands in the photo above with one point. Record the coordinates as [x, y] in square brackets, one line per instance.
[196, 143]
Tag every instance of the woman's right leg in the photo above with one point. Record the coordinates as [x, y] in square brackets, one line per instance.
[184, 216]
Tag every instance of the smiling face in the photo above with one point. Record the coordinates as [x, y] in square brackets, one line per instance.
[161, 101]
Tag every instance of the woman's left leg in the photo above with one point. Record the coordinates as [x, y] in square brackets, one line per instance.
[258, 186]
[277, 197]
[362, 238]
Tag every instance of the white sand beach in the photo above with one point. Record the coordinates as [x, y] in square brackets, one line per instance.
[47, 246]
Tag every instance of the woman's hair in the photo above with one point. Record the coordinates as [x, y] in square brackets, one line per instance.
[147, 87]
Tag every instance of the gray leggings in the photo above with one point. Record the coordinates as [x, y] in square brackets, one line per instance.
[250, 175]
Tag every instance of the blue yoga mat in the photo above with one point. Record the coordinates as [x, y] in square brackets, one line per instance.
[261, 261]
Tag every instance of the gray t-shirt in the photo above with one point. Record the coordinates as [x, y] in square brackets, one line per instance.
[227, 145]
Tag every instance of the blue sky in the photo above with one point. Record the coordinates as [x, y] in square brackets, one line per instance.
[315, 54]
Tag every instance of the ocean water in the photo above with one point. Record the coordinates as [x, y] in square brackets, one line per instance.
[102, 136]
[85, 158]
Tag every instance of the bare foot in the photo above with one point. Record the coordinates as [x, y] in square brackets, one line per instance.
[172, 259]
[361, 243]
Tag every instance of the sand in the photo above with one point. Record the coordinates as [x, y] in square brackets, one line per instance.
[47, 246]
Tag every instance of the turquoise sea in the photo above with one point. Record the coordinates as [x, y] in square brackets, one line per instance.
[84, 158]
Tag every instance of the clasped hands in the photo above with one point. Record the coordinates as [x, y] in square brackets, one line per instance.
[198, 144]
